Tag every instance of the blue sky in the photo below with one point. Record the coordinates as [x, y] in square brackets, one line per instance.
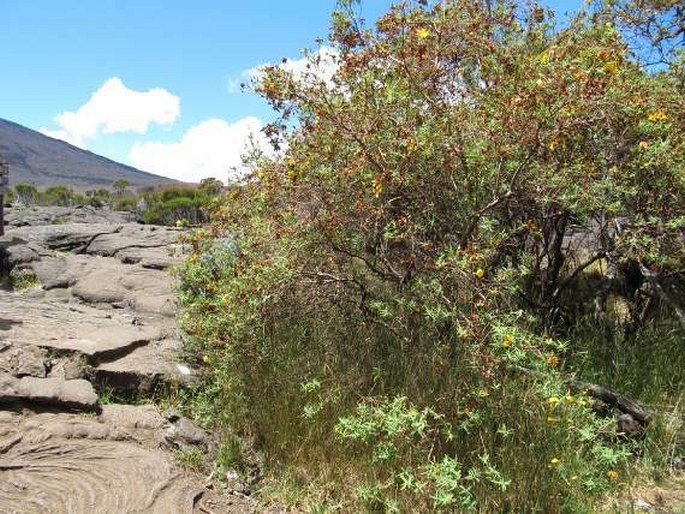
[153, 83]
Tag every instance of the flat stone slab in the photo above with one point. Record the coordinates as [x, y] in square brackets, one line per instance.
[134, 236]
[81, 329]
[74, 394]
[73, 237]
[131, 418]
[96, 279]
[66, 463]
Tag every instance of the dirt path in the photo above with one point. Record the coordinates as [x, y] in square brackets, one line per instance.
[98, 322]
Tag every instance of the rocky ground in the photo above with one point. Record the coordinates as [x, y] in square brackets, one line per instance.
[98, 323]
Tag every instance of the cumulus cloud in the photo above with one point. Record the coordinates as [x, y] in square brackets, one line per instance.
[315, 66]
[213, 148]
[116, 108]
[64, 136]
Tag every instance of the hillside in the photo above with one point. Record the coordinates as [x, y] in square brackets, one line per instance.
[42, 160]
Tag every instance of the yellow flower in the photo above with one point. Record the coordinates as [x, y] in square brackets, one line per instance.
[480, 273]
[377, 188]
[569, 398]
[422, 33]
[483, 393]
[613, 475]
[613, 170]
[574, 477]
[552, 419]
[205, 358]
[507, 341]
[643, 145]
[260, 175]
[553, 144]
[658, 115]
[554, 461]
[553, 400]
[610, 67]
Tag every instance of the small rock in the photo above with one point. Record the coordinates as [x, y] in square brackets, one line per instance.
[234, 485]
[182, 434]
[641, 504]
[183, 369]
[22, 361]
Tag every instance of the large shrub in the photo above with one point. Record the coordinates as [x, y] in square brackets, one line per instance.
[394, 319]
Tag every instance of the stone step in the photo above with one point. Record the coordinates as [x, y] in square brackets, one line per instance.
[75, 394]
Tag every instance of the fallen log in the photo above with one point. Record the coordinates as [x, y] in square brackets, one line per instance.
[631, 418]
[615, 400]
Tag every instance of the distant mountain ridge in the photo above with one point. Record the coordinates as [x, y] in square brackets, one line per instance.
[44, 161]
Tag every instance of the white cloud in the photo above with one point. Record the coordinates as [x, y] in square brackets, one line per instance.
[320, 65]
[64, 136]
[116, 108]
[313, 67]
[212, 148]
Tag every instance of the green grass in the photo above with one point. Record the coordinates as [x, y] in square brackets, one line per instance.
[21, 280]
[192, 459]
[554, 457]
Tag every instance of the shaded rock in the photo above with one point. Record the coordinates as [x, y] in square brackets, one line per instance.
[20, 254]
[142, 370]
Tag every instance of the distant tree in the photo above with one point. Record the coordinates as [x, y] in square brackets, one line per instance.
[98, 197]
[120, 186]
[211, 186]
[58, 195]
[26, 194]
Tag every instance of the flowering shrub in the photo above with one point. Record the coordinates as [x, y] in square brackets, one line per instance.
[394, 317]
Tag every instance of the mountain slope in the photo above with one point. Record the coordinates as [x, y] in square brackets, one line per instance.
[42, 160]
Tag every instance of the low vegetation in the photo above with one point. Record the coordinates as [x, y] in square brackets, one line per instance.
[170, 205]
[21, 279]
[480, 214]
